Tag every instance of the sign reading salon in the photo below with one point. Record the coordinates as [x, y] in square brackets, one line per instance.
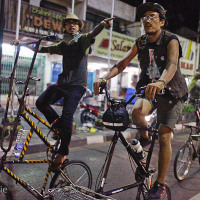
[120, 45]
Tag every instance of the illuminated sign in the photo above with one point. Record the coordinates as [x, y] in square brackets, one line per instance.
[120, 45]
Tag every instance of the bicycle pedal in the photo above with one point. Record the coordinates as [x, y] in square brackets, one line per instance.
[55, 136]
[151, 171]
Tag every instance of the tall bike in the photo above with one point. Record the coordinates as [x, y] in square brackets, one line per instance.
[141, 171]
[190, 150]
[74, 173]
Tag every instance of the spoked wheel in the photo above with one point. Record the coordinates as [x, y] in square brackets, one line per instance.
[78, 172]
[5, 193]
[183, 161]
[199, 153]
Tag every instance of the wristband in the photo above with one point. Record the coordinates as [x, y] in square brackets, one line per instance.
[103, 80]
[162, 82]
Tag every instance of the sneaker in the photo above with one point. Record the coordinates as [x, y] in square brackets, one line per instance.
[158, 191]
[55, 135]
[145, 141]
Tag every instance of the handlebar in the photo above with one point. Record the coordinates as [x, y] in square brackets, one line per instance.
[47, 38]
[196, 100]
[139, 93]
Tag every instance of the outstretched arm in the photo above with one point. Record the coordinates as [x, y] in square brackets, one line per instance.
[117, 68]
[105, 23]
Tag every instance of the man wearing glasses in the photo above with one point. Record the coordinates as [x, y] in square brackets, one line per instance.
[71, 83]
[158, 53]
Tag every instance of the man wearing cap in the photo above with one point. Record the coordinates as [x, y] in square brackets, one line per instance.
[72, 82]
[158, 53]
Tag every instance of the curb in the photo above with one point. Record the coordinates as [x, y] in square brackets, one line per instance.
[88, 140]
[196, 197]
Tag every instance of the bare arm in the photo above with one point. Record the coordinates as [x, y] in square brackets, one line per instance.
[172, 61]
[121, 65]
[117, 68]
[169, 71]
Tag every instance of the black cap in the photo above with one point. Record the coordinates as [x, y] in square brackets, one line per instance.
[150, 6]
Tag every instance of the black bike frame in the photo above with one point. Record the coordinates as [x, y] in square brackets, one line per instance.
[144, 170]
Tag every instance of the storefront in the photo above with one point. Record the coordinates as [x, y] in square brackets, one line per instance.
[36, 22]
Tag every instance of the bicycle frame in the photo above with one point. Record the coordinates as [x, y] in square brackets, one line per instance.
[190, 139]
[33, 128]
[143, 170]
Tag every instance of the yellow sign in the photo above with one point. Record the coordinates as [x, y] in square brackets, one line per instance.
[187, 62]
[120, 45]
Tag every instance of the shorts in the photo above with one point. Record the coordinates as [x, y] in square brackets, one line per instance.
[169, 117]
[167, 114]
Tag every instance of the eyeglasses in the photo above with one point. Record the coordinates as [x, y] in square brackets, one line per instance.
[68, 23]
[151, 18]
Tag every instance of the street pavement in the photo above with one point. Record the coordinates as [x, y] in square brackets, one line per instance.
[81, 136]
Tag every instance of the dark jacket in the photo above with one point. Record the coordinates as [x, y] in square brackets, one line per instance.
[177, 86]
[75, 59]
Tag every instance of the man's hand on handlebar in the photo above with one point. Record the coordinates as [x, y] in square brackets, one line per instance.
[15, 42]
[152, 89]
[97, 84]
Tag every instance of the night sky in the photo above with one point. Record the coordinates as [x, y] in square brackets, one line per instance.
[179, 12]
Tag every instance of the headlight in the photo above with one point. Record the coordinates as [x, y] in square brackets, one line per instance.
[148, 118]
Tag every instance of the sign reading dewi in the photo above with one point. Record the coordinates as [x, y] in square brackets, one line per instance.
[120, 45]
[33, 20]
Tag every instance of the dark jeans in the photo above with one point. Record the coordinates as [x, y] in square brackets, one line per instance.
[72, 96]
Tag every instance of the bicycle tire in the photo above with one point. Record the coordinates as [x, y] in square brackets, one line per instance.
[5, 193]
[78, 172]
[183, 161]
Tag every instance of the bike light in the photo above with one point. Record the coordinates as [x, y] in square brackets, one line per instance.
[148, 118]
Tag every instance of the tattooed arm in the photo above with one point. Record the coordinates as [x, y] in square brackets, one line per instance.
[121, 65]
[117, 68]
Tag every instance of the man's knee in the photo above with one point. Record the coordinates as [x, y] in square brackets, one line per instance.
[164, 135]
[39, 104]
[140, 109]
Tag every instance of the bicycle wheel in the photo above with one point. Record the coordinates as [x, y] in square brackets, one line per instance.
[5, 193]
[78, 172]
[183, 161]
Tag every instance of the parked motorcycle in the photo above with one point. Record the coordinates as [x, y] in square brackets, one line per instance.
[90, 115]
